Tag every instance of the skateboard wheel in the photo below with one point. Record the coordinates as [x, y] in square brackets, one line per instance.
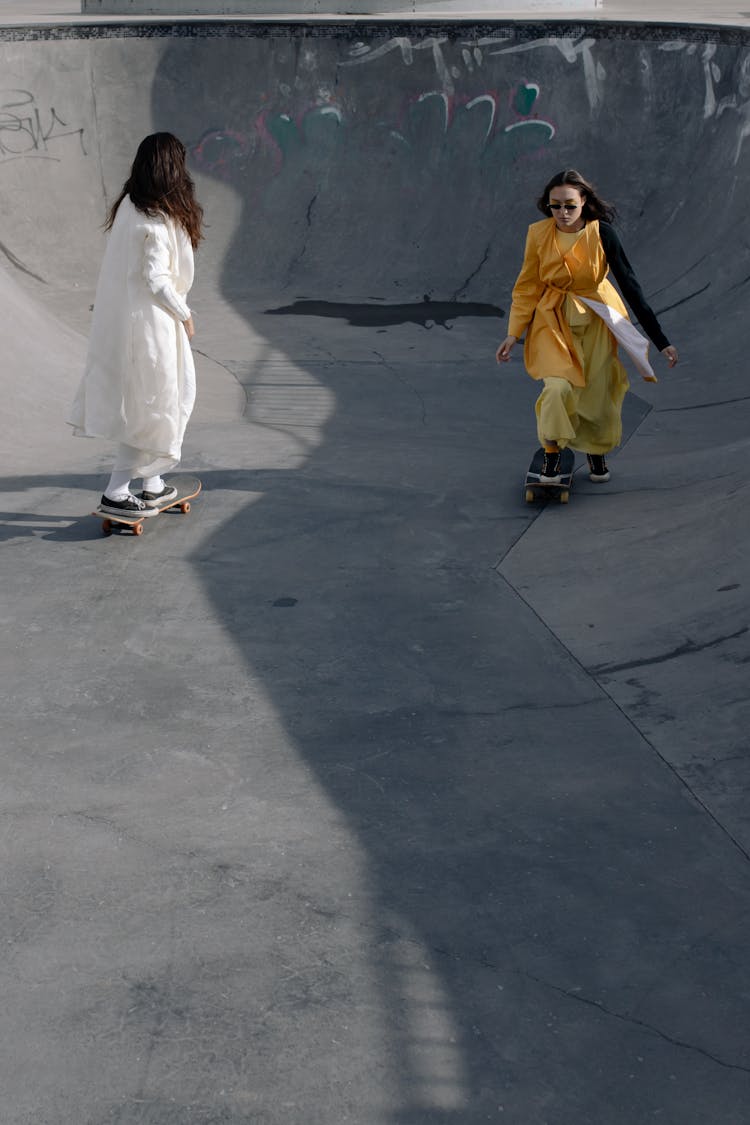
[564, 497]
[185, 507]
[106, 527]
[137, 529]
[529, 495]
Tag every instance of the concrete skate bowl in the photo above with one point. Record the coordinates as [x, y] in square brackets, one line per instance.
[365, 168]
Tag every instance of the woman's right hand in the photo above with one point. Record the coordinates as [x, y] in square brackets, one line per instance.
[189, 327]
[502, 355]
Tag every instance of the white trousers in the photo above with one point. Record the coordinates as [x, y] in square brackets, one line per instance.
[122, 471]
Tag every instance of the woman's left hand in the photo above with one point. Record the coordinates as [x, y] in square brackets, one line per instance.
[671, 354]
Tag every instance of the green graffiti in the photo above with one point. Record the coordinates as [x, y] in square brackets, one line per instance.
[526, 95]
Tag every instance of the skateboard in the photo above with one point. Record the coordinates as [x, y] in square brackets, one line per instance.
[539, 490]
[187, 489]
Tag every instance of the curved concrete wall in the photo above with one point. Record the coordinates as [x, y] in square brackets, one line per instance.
[402, 158]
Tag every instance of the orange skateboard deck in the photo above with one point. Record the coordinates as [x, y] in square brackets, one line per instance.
[187, 489]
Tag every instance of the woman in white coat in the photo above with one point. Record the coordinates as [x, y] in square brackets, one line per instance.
[138, 387]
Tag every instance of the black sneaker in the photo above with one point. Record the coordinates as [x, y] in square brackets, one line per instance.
[598, 470]
[130, 506]
[156, 499]
[550, 473]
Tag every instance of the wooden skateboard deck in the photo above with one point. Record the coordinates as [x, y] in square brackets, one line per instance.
[187, 489]
[541, 490]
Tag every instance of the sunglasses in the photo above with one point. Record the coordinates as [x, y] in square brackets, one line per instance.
[564, 206]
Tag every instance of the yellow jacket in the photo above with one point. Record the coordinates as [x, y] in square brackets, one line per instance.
[540, 294]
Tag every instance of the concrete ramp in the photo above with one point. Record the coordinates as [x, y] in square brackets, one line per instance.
[42, 361]
[366, 793]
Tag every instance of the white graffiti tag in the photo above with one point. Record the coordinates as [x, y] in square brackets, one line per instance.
[572, 51]
[737, 101]
[474, 54]
[361, 53]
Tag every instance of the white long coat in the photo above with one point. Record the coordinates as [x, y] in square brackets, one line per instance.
[138, 386]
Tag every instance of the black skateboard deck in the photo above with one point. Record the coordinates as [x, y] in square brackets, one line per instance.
[542, 490]
[187, 489]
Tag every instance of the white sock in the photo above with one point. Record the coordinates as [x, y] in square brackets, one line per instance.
[153, 484]
[119, 485]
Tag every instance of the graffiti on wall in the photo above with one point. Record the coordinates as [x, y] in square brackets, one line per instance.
[467, 94]
[361, 53]
[465, 88]
[726, 88]
[309, 109]
[576, 52]
[223, 153]
[473, 56]
[722, 92]
[500, 113]
[27, 130]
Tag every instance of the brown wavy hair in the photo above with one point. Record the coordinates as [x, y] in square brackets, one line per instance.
[160, 184]
[594, 207]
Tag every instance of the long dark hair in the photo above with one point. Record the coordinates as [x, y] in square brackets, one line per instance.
[160, 184]
[594, 207]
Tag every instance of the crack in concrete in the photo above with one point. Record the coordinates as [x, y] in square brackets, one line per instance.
[689, 648]
[729, 757]
[228, 370]
[111, 826]
[14, 261]
[700, 405]
[580, 998]
[629, 718]
[473, 274]
[533, 705]
[599, 1006]
[405, 382]
[680, 277]
[303, 249]
[676, 305]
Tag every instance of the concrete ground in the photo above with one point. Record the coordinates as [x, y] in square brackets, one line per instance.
[366, 793]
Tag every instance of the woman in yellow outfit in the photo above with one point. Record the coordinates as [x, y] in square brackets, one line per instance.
[574, 320]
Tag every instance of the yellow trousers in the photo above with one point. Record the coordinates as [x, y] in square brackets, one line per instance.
[587, 418]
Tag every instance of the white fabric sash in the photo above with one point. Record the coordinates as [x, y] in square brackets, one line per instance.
[626, 334]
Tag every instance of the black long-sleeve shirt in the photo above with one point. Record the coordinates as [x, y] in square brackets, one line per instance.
[631, 290]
